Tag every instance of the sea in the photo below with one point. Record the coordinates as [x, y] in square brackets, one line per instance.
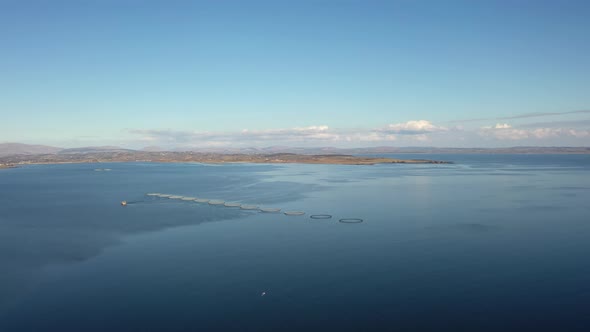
[490, 242]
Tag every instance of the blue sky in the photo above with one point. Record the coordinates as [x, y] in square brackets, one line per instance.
[299, 73]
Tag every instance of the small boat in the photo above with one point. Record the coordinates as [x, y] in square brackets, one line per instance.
[124, 203]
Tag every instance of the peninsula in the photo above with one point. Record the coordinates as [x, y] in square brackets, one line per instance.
[181, 157]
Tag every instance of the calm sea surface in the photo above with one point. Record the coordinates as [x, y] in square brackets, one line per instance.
[490, 243]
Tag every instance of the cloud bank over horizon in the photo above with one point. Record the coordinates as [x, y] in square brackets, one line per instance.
[410, 133]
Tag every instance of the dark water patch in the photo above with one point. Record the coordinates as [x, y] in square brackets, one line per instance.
[274, 192]
[523, 187]
[576, 188]
[534, 207]
[298, 174]
[511, 173]
[59, 215]
[337, 180]
[464, 227]
[569, 194]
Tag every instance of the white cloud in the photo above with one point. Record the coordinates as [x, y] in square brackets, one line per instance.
[298, 133]
[498, 126]
[503, 131]
[369, 137]
[414, 127]
[559, 132]
[507, 132]
[422, 138]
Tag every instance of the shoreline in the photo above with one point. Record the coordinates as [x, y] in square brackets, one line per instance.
[404, 161]
[15, 161]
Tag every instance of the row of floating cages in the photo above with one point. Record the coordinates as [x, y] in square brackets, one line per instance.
[224, 203]
[219, 202]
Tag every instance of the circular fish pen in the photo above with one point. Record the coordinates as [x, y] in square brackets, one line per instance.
[201, 200]
[216, 202]
[321, 216]
[294, 213]
[270, 210]
[230, 204]
[249, 207]
[351, 220]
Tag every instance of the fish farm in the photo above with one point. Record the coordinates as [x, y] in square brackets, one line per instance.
[250, 207]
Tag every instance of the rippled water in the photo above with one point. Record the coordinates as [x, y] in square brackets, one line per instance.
[490, 243]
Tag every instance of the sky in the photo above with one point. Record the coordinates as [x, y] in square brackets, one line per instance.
[182, 74]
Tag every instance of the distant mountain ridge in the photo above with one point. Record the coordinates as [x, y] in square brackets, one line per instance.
[390, 149]
[9, 149]
[94, 149]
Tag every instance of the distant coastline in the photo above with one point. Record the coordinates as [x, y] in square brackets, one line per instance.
[211, 158]
[16, 154]
[12, 149]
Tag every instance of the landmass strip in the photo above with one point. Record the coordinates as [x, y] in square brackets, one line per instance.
[212, 158]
